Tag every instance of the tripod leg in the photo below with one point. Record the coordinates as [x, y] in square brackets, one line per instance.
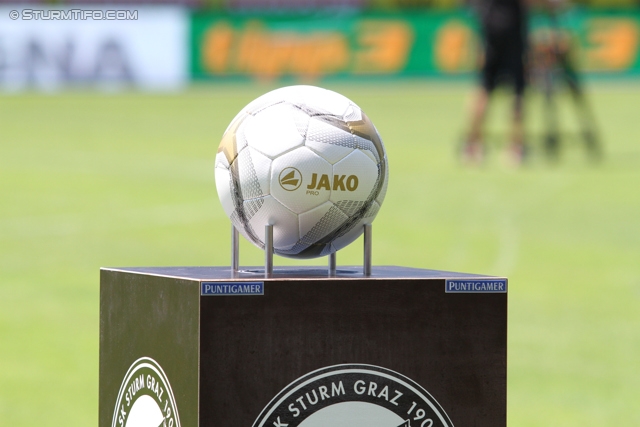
[268, 251]
[551, 138]
[585, 115]
[366, 268]
[587, 121]
[332, 264]
[235, 250]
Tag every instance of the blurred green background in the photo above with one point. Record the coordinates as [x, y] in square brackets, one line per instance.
[126, 179]
[92, 175]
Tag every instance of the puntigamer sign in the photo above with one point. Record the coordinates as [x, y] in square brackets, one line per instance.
[232, 288]
[480, 285]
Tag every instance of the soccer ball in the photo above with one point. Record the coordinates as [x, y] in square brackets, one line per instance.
[307, 161]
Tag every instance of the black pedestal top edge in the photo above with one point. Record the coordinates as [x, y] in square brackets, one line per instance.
[294, 273]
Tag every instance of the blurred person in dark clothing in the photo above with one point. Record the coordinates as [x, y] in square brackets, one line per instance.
[553, 65]
[504, 31]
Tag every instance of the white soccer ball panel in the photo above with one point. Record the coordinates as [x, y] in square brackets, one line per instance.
[301, 120]
[262, 103]
[383, 191]
[330, 130]
[253, 169]
[323, 100]
[367, 147]
[355, 232]
[319, 222]
[372, 212]
[223, 187]
[357, 174]
[233, 139]
[221, 160]
[285, 223]
[310, 98]
[273, 131]
[371, 155]
[349, 237]
[353, 113]
[241, 134]
[331, 153]
[331, 142]
[313, 173]
[235, 122]
[276, 96]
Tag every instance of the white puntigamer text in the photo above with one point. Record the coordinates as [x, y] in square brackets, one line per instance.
[252, 288]
[470, 286]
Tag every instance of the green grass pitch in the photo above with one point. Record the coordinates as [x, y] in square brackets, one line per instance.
[90, 180]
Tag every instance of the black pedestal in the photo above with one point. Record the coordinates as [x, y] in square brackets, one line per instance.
[196, 346]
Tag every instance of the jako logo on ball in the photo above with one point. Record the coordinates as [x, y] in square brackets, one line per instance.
[324, 183]
[290, 179]
[307, 161]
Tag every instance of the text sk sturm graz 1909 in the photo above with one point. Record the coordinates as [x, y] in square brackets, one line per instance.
[353, 394]
[145, 398]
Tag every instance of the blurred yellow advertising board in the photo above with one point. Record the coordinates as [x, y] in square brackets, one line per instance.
[425, 43]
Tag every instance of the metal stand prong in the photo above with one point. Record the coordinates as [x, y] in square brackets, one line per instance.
[366, 270]
[332, 264]
[235, 249]
[268, 250]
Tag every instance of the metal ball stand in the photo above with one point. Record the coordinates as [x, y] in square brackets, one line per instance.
[268, 252]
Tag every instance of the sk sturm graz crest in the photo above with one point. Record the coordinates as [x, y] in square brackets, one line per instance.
[145, 398]
[353, 395]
